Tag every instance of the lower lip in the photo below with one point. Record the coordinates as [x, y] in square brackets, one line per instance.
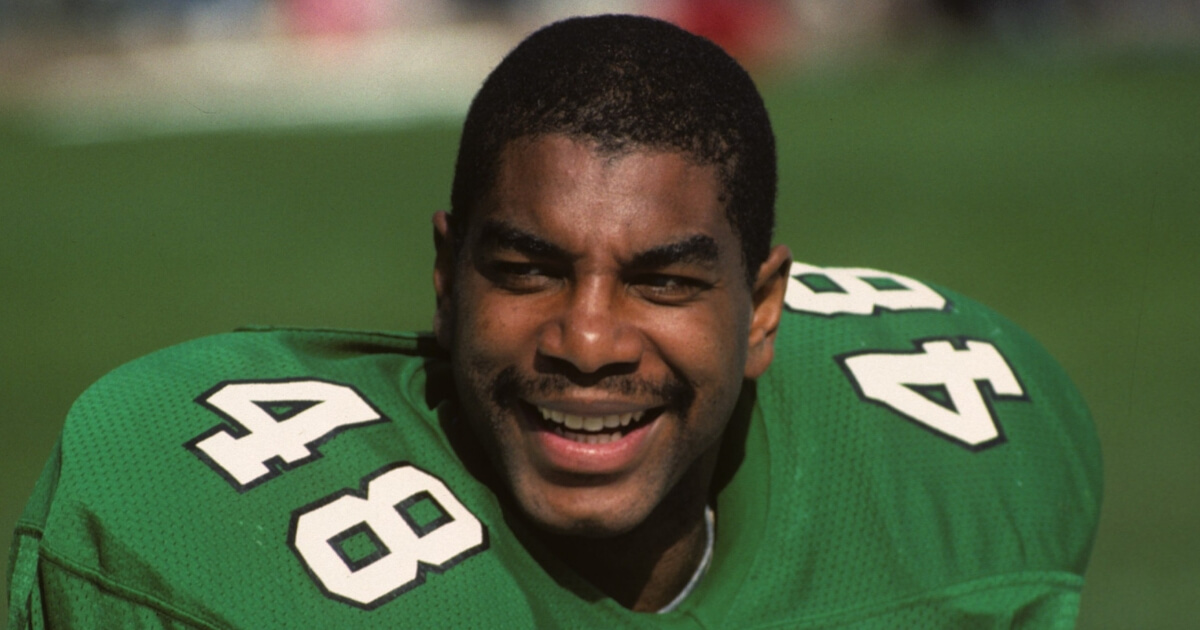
[568, 456]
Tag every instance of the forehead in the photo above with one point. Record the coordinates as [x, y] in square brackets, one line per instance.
[570, 188]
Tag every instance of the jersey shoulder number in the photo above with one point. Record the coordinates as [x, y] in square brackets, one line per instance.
[946, 386]
[362, 547]
[271, 426]
[943, 383]
[856, 291]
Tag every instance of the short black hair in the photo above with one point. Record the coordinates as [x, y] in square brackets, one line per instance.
[626, 83]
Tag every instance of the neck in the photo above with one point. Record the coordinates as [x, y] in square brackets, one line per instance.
[645, 568]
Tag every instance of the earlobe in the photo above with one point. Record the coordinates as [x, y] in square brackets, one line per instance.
[769, 288]
[443, 278]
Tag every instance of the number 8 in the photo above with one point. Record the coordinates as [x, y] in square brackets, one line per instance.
[405, 546]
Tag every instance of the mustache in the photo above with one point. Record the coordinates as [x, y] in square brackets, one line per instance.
[676, 394]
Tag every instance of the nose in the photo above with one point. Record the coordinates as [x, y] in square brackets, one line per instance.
[591, 332]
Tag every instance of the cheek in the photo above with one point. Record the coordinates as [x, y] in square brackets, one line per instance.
[490, 336]
[708, 347]
[488, 329]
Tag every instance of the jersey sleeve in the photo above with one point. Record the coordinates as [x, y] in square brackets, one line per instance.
[129, 527]
[49, 591]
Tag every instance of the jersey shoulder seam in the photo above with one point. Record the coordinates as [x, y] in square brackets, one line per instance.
[336, 332]
[32, 529]
[125, 593]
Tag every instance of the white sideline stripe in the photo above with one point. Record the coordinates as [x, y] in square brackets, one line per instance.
[375, 79]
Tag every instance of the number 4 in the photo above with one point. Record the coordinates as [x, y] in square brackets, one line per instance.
[272, 426]
[939, 387]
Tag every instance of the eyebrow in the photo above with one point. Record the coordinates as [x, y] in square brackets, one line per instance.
[501, 235]
[696, 249]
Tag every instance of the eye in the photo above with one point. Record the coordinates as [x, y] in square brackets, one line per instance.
[521, 277]
[669, 289]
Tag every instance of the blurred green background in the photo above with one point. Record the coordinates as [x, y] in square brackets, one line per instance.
[1062, 192]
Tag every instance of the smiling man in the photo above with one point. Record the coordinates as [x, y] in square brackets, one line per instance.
[601, 326]
[633, 411]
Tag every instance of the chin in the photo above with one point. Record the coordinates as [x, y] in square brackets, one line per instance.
[586, 528]
[584, 516]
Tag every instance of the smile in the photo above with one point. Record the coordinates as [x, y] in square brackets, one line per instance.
[597, 429]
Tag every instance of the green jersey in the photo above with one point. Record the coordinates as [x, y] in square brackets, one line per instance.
[910, 459]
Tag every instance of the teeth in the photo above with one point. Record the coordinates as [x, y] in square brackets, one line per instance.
[588, 438]
[591, 424]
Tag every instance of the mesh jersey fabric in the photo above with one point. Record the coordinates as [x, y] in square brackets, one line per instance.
[837, 506]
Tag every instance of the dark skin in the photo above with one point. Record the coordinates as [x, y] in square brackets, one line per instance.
[601, 328]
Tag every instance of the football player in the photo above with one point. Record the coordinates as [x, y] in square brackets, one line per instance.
[633, 411]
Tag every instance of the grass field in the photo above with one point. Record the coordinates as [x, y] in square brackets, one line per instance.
[1066, 194]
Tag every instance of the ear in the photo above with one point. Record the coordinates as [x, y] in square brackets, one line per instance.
[769, 287]
[443, 278]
